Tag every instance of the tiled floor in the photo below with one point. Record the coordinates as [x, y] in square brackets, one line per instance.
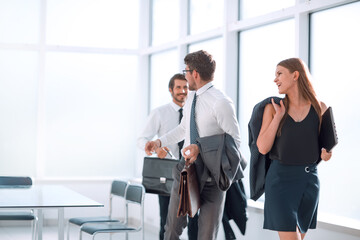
[50, 233]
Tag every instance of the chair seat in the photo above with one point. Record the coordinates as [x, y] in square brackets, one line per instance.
[16, 216]
[81, 220]
[92, 228]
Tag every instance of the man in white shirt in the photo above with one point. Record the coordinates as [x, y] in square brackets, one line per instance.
[214, 114]
[160, 121]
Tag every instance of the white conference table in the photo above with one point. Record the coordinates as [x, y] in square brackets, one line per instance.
[42, 197]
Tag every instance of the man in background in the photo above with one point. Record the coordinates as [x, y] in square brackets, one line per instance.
[160, 121]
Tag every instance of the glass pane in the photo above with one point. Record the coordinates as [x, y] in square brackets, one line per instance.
[93, 23]
[18, 107]
[260, 52]
[165, 21]
[19, 21]
[254, 8]
[214, 47]
[163, 66]
[335, 52]
[87, 105]
[205, 15]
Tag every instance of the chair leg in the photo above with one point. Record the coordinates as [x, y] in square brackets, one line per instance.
[68, 231]
[34, 229]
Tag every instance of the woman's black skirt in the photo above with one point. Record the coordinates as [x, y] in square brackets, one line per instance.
[291, 197]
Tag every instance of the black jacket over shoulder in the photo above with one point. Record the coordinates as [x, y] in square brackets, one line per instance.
[259, 163]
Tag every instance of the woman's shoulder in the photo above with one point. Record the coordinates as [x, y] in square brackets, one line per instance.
[323, 107]
[269, 110]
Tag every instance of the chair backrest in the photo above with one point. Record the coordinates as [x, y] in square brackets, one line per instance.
[12, 181]
[118, 188]
[135, 193]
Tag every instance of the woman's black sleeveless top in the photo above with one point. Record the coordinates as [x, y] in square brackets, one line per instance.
[298, 143]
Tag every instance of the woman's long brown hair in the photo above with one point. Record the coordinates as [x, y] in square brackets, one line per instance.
[304, 84]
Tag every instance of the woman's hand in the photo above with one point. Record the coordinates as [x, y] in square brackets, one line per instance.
[279, 109]
[325, 155]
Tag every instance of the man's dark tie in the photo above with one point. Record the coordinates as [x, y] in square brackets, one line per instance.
[180, 144]
[194, 134]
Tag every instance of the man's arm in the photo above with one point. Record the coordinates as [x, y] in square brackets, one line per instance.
[174, 136]
[151, 129]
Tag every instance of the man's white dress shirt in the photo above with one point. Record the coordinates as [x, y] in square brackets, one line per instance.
[160, 121]
[214, 114]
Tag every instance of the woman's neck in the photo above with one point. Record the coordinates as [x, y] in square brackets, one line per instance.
[296, 100]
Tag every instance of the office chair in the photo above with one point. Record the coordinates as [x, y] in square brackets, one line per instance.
[118, 188]
[135, 194]
[18, 182]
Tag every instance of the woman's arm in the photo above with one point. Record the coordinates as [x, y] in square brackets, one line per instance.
[272, 116]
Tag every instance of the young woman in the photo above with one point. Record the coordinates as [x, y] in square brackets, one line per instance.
[289, 134]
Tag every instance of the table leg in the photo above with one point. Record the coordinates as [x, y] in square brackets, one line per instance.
[40, 223]
[61, 223]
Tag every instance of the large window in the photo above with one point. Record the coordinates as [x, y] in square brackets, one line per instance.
[93, 23]
[205, 15]
[65, 110]
[257, 69]
[18, 108]
[87, 105]
[19, 21]
[335, 51]
[163, 66]
[254, 8]
[165, 14]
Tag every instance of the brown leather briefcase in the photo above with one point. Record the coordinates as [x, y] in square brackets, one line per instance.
[189, 192]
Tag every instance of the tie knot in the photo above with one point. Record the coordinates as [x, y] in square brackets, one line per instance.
[180, 110]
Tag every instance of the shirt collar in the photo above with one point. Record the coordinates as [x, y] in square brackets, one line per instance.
[204, 88]
[175, 106]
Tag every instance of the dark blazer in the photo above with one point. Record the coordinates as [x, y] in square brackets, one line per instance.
[259, 164]
[235, 208]
[220, 158]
